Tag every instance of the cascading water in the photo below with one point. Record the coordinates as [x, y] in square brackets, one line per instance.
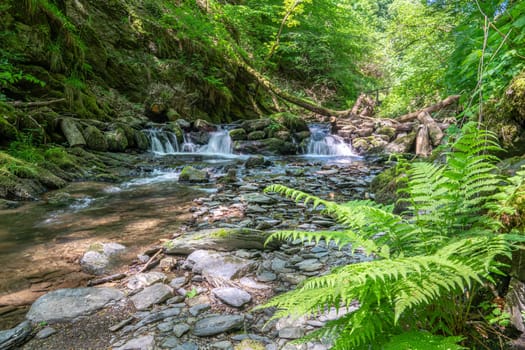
[165, 142]
[323, 143]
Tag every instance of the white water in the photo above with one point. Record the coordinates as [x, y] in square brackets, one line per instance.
[323, 143]
[165, 142]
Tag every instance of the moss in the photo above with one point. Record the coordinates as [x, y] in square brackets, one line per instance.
[117, 140]
[256, 135]
[95, 139]
[291, 121]
[7, 131]
[237, 134]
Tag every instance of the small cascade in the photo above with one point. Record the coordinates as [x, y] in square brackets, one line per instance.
[323, 143]
[165, 142]
[220, 142]
[162, 142]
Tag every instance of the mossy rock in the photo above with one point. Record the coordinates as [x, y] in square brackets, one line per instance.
[250, 344]
[256, 124]
[7, 131]
[129, 132]
[302, 135]
[117, 140]
[277, 146]
[402, 144]
[141, 140]
[95, 139]
[204, 125]
[291, 121]
[256, 135]
[389, 131]
[369, 144]
[386, 186]
[283, 135]
[194, 175]
[237, 134]
[175, 128]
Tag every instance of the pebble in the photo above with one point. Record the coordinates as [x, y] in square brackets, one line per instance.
[45, 332]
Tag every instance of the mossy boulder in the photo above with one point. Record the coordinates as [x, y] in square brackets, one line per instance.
[203, 125]
[369, 145]
[129, 132]
[117, 140]
[282, 135]
[385, 187]
[95, 139]
[72, 133]
[301, 135]
[256, 135]
[291, 121]
[256, 124]
[237, 134]
[141, 140]
[7, 131]
[402, 144]
[191, 174]
[175, 128]
[278, 146]
[389, 131]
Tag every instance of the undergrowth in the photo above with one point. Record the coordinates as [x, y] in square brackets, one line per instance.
[432, 264]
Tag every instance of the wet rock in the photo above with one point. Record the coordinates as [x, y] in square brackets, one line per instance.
[94, 263]
[117, 140]
[45, 332]
[14, 337]
[217, 324]
[141, 280]
[180, 329]
[191, 174]
[232, 296]
[183, 123]
[203, 125]
[216, 265]
[256, 135]
[146, 342]
[291, 121]
[254, 162]
[256, 124]
[95, 139]
[141, 140]
[66, 304]
[237, 134]
[257, 198]
[152, 295]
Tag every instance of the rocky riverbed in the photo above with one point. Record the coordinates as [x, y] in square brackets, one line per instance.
[197, 288]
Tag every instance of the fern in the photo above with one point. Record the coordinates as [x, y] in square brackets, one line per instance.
[444, 246]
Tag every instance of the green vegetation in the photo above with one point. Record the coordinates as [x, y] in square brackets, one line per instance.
[432, 263]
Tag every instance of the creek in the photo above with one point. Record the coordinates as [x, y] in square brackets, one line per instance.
[41, 242]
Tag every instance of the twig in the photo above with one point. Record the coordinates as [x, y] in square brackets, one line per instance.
[150, 261]
[103, 280]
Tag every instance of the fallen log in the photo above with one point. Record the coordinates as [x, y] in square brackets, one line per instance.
[106, 279]
[36, 103]
[423, 146]
[436, 107]
[434, 131]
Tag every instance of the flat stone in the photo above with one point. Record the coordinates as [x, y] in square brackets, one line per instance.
[13, 337]
[309, 265]
[45, 332]
[170, 342]
[178, 282]
[112, 248]
[94, 263]
[152, 295]
[141, 280]
[188, 346]
[222, 345]
[232, 296]
[180, 329]
[251, 283]
[291, 333]
[199, 308]
[66, 304]
[219, 265]
[266, 276]
[146, 342]
[217, 324]
[157, 316]
[257, 198]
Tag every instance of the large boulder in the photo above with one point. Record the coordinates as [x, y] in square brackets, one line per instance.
[95, 139]
[256, 124]
[291, 121]
[215, 265]
[194, 175]
[117, 140]
[67, 304]
[237, 134]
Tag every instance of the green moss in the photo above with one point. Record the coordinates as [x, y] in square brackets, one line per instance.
[95, 139]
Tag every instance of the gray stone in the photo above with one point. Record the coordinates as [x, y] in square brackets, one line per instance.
[66, 304]
[45, 332]
[257, 198]
[152, 295]
[199, 308]
[219, 265]
[146, 342]
[292, 278]
[217, 324]
[191, 174]
[141, 280]
[94, 263]
[157, 316]
[309, 265]
[252, 284]
[222, 345]
[188, 346]
[170, 342]
[180, 329]
[13, 337]
[112, 248]
[291, 333]
[178, 282]
[232, 296]
[165, 327]
[266, 276]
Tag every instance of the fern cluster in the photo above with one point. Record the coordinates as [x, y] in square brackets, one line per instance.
[429, 260]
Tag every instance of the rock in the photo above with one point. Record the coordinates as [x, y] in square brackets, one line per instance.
[266, 276]
[188, 346]
[183, 123]
[291, 121]
[196, 310]
[404, 143]
[256, 135]
[237, 134]
[178, 282]
[95, 139]
[217, 324]
[146, 342]
[141, 140]
[282, 135]
[254, 162]
[291, 333]
[117, 140]
[151, 295]
[232, 296]
[45, 332]
[14, 337]
[309, 265]
[370, 144]
[141, 280]
[203, 125]
[177, 130]
[515, 303]
[170, 343]
[250, 344]
[222, 345]
[157, 316]
[191, 174]
[248, 282]
[167, 264]
[389, 131]
[180, 329]
[257, 198]
[217, 265]
[112, 248]
[94, 263]
[67, 304]
[256, 124]
[222, 239]
[73, 135]
[302, 135]
[277, 146]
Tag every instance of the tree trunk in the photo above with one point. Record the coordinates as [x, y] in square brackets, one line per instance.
[434, 131]
[73, 135]
[440, 105]
[423, 147]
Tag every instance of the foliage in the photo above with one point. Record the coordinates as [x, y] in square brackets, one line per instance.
[430, 262]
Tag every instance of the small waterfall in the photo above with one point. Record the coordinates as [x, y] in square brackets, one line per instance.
[323, 143]
[162, 142]
[165, 142]
[220, 142]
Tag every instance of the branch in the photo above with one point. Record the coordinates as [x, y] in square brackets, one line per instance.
[36, 103]
[436, 107]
